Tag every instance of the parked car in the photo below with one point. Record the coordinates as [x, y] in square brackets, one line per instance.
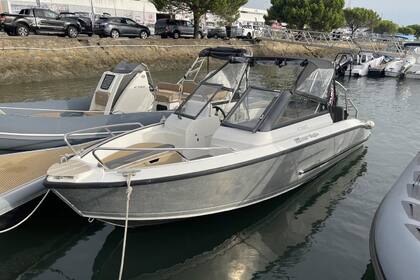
[40, 21]
[116, 27]
[176, 29]
[340, 36]
[217, 32]
[84, 20]
[245, 31]
[2, 19]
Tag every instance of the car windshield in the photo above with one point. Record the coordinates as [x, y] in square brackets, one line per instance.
[250, 110]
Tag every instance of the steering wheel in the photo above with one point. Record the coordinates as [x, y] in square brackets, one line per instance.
[221, 111]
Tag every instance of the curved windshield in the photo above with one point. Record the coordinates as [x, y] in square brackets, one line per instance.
[251, 109]
[198, 101]
[317, 83]
[230, 75]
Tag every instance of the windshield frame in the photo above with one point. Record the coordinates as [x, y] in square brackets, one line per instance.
[298, 82]
[263, 115]
[230, 61]
[179, 112]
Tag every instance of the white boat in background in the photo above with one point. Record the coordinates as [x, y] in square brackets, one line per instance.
[222, 149]
[398, 67]
[362, 62]
[413, 72]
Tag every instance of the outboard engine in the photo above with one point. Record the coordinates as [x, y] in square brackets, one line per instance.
[125, 89]
[343, 61]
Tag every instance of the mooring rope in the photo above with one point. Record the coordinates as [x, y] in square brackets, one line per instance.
[129, 191]
[27, 217]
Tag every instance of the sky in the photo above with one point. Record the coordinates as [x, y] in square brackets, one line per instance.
[403, 12]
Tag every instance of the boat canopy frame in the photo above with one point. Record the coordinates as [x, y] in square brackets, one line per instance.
[303, 86]
[219, 53]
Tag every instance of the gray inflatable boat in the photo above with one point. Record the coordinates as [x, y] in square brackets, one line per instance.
[395, 233]
[124, 95]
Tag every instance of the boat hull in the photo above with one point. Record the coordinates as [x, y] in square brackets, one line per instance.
[211, 192]
[412, 76]
[19, 196]
[397, 219]
[392, 74]
[376, 73]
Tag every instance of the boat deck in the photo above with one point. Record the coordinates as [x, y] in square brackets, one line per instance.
[142, 159]
[21, 168]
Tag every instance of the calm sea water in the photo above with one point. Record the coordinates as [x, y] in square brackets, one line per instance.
[319, 231]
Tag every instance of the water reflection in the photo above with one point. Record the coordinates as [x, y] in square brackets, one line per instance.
[255, 242]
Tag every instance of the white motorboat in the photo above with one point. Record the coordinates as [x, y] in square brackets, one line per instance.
[413, 71]
[223, 148]
[362, 62]
[398, 67]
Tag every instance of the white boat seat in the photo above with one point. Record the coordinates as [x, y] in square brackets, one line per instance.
[168, 93]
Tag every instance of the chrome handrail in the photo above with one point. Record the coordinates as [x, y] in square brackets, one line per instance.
[354, 107]
[101, 163]
[348, 100]
[88, 132]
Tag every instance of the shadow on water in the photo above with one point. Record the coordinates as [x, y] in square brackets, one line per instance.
[254, 242]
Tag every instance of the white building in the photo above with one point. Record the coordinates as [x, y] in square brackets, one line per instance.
[250, 16]
[141, 11]
[247, 16]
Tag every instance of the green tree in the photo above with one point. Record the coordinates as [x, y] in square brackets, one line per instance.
[357, 18]
[416, 28]
[228, 9]
[322, 15]
[406, 30]
[295, 12]
[224, 8]
[386, 26]
[326, 15]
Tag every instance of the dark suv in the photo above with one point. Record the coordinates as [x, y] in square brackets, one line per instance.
[176, 29]
[116, 27]
[83, 19]
[39, 21]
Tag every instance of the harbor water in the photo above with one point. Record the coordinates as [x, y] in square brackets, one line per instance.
[319, 231]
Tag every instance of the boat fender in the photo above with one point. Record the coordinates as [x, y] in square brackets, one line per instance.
[370, 124]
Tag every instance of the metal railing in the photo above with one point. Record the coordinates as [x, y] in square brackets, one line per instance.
[347, 100]
[389, 45]
[100, 161]
[193, 71]
[95, 132]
